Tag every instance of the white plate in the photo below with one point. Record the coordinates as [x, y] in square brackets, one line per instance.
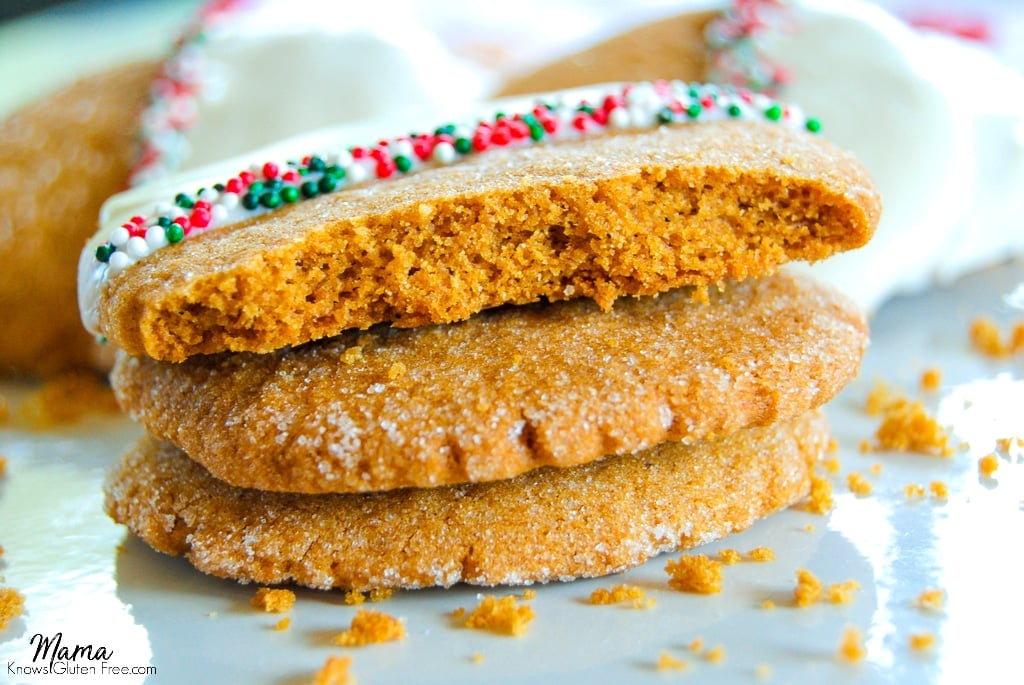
[83, 577]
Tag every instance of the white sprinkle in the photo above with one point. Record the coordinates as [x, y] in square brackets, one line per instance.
[444, 153]
[137, 247]
[228, 200]
[401, 147]
[156, 237]
[356, 173]
[118, 261]
[119, 237]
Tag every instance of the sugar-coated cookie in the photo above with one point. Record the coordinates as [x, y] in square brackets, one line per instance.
[634, 212]
[506, 391]
[60, 158]
[547, 525]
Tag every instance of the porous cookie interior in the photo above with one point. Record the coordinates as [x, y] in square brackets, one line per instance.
[552, 524]
[624, 214]
[503, 392]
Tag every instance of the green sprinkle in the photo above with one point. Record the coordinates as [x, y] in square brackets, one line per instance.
[163, 221]
[536, 131]
[665, 115]
[290, 194]
[694, 110]
[813, 125]
[174, 233]
[463, 146]
[734, 110]
[271, 199]
[403, 163]
[309, 189]
[338, 172]
[327, 184]
[251, 200]
[104, 251]
[316, 164]
[183, 201]
[774, 112]
[447, 129]
[256, 187]
[274, 185]
[219, 187]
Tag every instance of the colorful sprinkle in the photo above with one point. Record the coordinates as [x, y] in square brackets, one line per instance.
[268, 185]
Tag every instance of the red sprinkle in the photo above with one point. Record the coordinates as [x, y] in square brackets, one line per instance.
[270, 171]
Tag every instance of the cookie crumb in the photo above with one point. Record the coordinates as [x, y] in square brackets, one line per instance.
[716, 654]
[931, 379]
[618, 594]
[696, 645]
[730, 556]
[529, 593]
[477, 658]
[767, 605]
[370, 627]
[913, 491]
[880, 398]
[284, 624]
[501, 616]
[931, 599]
[335, 671]
[988, 465]
[273, 600]
[920, 642]
[763, 553]
[908, 427]
[939, 489]
[12, 604]
[831, 465]
[985, 338]
[842, 593]
[3, 466]
[875, 469]
[808, 588]
[695, 573]
[667, 662]
[763, 671]
[809, 528]
[858, 484]
[354, 598]
[851, 646]
[820, 500]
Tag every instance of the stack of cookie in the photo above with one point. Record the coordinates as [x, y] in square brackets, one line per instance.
[543, 345]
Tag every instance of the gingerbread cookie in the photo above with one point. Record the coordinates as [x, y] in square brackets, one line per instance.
[632, 198]
[504, 392]
[551, 524]
[60, 158]
[669, 48]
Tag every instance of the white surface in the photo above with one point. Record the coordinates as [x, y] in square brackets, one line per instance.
[149, 609]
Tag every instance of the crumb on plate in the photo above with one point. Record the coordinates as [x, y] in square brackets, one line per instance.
[842, 593]
[939, 489]
[12, 604]
[851, 645]
[820, 500]
[931, 599]
[274, 600]
[370, 627]
[931, 379]
[695, 573]
[716, 654]
[913, 490]
[284, 623]
[66, 398]
[730, 556]
[808, 588]
[858, 484]
[988, 465]
[667, 662]
[908, 427]
[501, 616]
[920, 642]
[618, 594]
[335, 671]
[763, 553]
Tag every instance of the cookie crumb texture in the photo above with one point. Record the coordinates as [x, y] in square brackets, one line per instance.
[503, 393]
[627, 214]
[533, 528]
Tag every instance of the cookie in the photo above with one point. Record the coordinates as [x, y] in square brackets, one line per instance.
[634, 211]
[669, 48]
[547, 525]
[506, 391]
[60, 158]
